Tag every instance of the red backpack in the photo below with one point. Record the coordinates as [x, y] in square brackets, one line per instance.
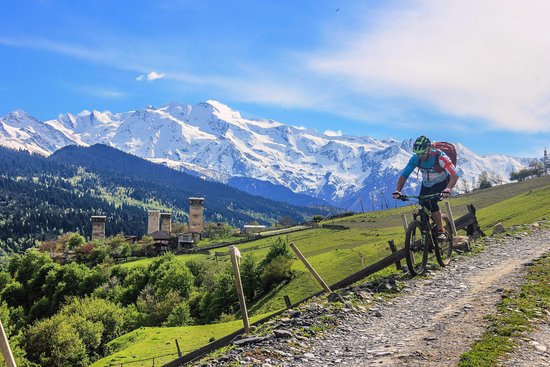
[448, 148]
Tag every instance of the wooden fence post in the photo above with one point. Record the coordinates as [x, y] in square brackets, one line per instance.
[287, 302]
[6, 350]
[244, 312]
[405, 224]
[310, 268]
[450, 213]
[394, 249]
[178, 347]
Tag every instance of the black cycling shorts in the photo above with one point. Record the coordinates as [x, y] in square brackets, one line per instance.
[431, 204]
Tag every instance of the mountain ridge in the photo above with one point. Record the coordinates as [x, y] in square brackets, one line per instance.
[217, 143]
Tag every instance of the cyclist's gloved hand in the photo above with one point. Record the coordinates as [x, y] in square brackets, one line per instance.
[446, 193]
[396, 194]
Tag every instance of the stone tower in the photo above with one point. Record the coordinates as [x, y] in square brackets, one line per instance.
[98, 227]
[196, 208]
[166, 222]
[153, 223]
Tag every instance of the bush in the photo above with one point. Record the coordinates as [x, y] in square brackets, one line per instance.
[224, 317]
[172, 276]
[115, 319]
[317, 218]
[277, 248]
[276, 266]
[221, 299]
[156, 308]
[485, 184]
[56, 342]
[180, 316]
[250, 277]
[276, 271]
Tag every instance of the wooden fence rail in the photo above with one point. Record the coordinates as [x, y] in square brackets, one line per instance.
[469, 223]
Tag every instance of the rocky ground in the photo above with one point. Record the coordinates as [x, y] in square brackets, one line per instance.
[430, 321]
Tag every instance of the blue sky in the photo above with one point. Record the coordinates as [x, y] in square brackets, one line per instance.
[474, 72]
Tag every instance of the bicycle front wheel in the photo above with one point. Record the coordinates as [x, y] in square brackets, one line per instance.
[416, 247]
[444, 250]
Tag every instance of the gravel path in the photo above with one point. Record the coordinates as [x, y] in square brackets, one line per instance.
[431, 323]
[438, 318]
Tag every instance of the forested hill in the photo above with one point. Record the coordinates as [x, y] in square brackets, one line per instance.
[41, 198]
[148, 180]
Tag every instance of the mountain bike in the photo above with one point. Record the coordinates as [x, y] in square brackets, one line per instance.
[421, 237]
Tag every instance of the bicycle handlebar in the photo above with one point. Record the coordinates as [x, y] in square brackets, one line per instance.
[420, 198]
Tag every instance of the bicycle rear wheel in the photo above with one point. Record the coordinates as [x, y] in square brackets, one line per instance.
[444, 250]
[416, 247]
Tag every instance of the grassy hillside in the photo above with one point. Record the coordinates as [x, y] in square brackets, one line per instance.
[336, 254]
[145, 343]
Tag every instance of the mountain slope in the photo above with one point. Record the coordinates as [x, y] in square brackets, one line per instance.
[41, 199]
[211, 140]
[223, 203]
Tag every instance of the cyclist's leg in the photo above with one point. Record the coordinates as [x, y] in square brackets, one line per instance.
[438, 220]
[432, 203]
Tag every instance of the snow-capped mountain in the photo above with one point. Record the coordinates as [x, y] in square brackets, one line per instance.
[214, 141]
[19, 130]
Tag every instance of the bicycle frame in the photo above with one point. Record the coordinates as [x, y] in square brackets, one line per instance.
[422, 211]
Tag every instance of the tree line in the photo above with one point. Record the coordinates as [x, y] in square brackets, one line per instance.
[66, 314]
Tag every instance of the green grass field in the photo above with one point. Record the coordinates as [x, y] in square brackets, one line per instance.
[335, 254]
[138, 347]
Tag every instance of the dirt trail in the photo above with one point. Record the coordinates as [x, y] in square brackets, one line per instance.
[437, 318]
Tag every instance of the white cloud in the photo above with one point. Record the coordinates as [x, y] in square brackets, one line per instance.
[486, 59]
[153, 75]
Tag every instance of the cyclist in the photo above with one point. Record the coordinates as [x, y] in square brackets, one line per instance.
[438, 176]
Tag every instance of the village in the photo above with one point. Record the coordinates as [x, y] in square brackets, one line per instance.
[162, 239]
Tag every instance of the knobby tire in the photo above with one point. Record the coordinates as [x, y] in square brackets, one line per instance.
[416, 247]
[444, 250]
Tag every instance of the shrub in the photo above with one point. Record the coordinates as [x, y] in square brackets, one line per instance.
[276, 249]
[156, 308]
[250, 277]
[56, 342]
[180, 316]
[276, 271]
